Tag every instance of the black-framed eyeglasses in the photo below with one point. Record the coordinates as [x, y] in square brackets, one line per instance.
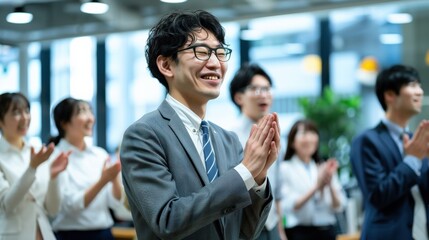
[203, 52]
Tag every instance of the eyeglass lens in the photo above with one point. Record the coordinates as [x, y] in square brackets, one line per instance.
[204, 53]
[258, 90]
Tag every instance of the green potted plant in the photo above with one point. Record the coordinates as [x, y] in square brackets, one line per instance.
[336, 117]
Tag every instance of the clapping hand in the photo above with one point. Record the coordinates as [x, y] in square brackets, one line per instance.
[41, 156]
[325, 172]
[418, 146]
[110, 171]
[60, 164]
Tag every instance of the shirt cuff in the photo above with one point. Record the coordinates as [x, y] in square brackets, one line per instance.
[414, 163]
[261, 189]
[246, 176]
[250, 182]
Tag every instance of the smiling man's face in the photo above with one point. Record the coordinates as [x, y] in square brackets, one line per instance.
[194, 81]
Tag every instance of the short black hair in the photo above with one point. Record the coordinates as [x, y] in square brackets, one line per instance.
[393, 79]
[243, 78]
[173, 31]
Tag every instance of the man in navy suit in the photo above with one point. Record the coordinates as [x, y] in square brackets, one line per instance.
[185, 177]
[391, 167]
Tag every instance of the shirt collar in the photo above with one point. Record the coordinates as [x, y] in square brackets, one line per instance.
[394, 129]
[190, 119]
[6, 146]
[64, 144]
[296, 159]
[246, 121]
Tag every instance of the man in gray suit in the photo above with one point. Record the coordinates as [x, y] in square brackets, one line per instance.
[182, 180]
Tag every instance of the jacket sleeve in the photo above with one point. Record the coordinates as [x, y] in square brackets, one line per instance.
[255, 215]
[53, 197]
[11, 194]
[383, 183]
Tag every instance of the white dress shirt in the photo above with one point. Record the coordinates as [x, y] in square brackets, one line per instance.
[26, 195]
[298, 178]
[83, 171]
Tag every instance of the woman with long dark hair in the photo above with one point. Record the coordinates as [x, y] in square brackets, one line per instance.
[91, 184]
[311, 190]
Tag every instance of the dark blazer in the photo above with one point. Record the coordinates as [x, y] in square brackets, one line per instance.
[168, 190]
[386, 182]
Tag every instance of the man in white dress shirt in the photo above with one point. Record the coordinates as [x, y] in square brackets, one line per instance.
[250, 90]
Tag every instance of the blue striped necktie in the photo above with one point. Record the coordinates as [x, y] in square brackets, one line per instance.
[209, 156]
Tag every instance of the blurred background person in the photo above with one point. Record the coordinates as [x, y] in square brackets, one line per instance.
[391, 166]
[90, 184]
[311, 190]
[29, 189]
[250, 91]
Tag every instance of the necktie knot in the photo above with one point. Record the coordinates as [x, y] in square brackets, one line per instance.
[205, 127]
[401, 136]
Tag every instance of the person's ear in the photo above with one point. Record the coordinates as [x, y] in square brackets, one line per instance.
[64, 125]
[238, 98]
[389, 96]
[165, 66]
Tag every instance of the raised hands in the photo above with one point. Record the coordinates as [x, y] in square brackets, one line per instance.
[418, 146]
[326, 171]
[262, 147]
[110, 171]
[41, 156]
[59, 164]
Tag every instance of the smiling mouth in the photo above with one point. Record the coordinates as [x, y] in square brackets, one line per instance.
[22, 128]
[211, 77]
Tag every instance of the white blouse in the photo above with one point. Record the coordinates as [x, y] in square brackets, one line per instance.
[26, 195]
[84, 170]
[298, 178]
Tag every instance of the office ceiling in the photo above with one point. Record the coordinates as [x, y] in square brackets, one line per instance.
[55, 19]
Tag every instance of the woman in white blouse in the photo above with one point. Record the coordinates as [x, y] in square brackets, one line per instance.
[311, 191]
[90, 184]
[29, 189]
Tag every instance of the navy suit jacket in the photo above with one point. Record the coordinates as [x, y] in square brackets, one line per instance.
[386, 182]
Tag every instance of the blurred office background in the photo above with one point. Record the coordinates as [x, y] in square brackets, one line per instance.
[305, 45]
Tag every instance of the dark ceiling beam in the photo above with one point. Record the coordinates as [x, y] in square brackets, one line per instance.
[238, 12]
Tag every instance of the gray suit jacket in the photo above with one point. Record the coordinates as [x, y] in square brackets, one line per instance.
[168, 190]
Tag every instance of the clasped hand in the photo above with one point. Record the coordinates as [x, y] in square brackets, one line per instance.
[418, 146]
[262, 147]
[325, 172]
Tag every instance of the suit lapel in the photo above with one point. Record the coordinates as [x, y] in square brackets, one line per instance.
[389, 143]
[221, 162]
[220, 154]
[176, 125]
